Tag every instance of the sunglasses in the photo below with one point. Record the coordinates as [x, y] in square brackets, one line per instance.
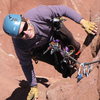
[24, 29]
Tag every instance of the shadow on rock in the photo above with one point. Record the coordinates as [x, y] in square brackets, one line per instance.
[21, 92]
[43, 81]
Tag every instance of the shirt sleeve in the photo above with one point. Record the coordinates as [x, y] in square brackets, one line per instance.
[45, 13]
[52, 11]
[61, 10]
[26, 64]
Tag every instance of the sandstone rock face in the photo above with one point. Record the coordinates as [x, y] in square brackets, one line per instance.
[69, 89]
[52, 86]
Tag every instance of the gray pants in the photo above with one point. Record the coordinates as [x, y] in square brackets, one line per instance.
[69, 38]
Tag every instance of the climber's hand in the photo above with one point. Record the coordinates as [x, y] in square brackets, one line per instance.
[33, 93]
[90, 27]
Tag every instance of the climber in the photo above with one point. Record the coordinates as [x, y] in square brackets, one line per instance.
[32, 31]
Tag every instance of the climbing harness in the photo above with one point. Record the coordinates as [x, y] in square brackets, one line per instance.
[84, 69]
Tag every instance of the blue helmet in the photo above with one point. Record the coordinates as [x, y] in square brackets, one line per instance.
[12, 24]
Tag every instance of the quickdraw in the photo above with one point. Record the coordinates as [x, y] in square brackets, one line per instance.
[85, 69]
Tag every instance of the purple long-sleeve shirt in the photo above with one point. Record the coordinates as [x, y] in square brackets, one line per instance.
[40, 18]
